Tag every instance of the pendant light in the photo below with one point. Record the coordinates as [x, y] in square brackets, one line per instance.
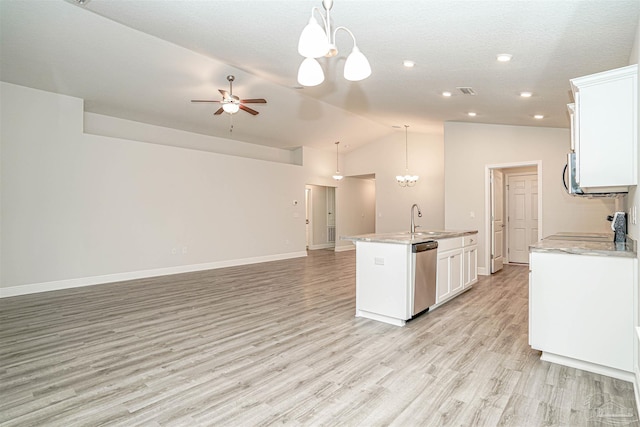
[316, 42]
[337, 176]
[406, 180]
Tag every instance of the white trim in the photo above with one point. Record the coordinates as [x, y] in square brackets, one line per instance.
[119, 277]
[345, 248]
[588, 366]
[487, 203]
[321, 246]
[483, 271]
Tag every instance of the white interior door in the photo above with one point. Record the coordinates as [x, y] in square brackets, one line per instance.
[522, 221]
[497, 220]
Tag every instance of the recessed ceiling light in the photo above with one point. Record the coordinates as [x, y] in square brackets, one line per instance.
[446, 93]
[409, 64]
[538, 116]
[471, 114]
[504, 57]
[526, 94]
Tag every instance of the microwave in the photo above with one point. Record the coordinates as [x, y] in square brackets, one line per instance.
[572, 187]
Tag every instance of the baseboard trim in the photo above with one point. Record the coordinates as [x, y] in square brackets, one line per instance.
[345, 248]
[588, 366]
[321, 246]
[34, 288]
[482, 271]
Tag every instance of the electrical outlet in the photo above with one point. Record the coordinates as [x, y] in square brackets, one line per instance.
[174, 251]
[184, 249]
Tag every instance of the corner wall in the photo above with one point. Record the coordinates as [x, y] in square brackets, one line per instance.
[385, 159]
[80, 209]
[469, 147]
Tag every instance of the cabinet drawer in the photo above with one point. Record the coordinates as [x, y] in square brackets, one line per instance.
[447, 244]
[470, 240]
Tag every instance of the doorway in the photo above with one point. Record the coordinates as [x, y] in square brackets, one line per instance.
[513, 212]
[320, 220]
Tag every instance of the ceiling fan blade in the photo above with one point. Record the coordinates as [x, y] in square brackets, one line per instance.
[220, 111]
[202, 100]
[248, 110]
[224, 93]
[254, 101]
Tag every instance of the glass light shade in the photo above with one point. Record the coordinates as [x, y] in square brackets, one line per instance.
[231, 107]
[310, 73]
[337, 176]
[356, 67]
[407, 180]
[313, 40]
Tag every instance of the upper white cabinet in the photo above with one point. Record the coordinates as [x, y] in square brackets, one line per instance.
[604, 128]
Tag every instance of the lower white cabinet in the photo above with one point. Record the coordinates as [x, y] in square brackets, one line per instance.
[581, 311]
[457, 265]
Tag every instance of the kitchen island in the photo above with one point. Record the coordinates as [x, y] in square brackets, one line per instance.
[581, 302]
[386, 271]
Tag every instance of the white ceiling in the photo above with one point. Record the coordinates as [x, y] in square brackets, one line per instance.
[145, 61]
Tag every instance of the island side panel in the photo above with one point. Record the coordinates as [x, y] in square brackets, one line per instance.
[383, 280]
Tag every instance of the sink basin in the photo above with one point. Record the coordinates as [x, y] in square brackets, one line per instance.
[424, 233]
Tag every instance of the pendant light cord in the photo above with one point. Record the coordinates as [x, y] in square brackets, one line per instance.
[406, 148]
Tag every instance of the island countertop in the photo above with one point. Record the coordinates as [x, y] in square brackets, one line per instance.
[407, 238]
[598, 244]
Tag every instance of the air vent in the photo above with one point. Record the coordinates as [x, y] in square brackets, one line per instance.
[466, 90]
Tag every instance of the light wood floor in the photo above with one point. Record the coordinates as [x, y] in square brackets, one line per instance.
[278, 344]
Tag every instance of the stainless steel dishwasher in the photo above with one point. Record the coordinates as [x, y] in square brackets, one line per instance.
[424, 257]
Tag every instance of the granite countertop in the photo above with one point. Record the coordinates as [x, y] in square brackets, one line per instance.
[599, 244]
[407, 238]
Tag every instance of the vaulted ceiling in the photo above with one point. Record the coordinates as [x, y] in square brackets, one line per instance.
[145, 61]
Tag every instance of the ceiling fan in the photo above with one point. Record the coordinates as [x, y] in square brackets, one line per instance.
[231, 103]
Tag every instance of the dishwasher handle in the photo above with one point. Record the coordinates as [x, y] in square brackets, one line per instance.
[425, 246]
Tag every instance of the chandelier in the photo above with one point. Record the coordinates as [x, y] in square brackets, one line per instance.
[406, 180]
[337, 176]
[316, 42]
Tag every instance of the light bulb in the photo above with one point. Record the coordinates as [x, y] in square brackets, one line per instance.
[313, 40]
[356, 67]
[230, 107]
[310, 73]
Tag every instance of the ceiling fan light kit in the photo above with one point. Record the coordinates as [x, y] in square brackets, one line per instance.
[231, 104]
[316, 42]
[406, 180]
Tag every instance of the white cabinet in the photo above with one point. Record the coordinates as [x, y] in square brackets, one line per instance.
[470, 260]
[604, 128]
[457, 265]
[449, 274]
[581, 311]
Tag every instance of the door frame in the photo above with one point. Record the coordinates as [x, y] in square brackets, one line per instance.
[488, 204]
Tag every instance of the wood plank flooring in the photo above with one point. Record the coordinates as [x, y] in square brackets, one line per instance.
[278, 344]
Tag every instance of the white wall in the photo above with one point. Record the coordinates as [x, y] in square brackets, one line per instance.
[469, 147]
[80, 209]
[386, 158]
[355, 209]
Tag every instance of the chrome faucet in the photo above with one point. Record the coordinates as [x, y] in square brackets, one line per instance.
[413, 222]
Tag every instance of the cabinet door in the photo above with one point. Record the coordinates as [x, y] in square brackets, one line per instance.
[455, 271]
[605, 128]
[470, 265]
[442, 286]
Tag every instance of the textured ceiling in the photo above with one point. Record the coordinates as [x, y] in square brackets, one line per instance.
[145, 60]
